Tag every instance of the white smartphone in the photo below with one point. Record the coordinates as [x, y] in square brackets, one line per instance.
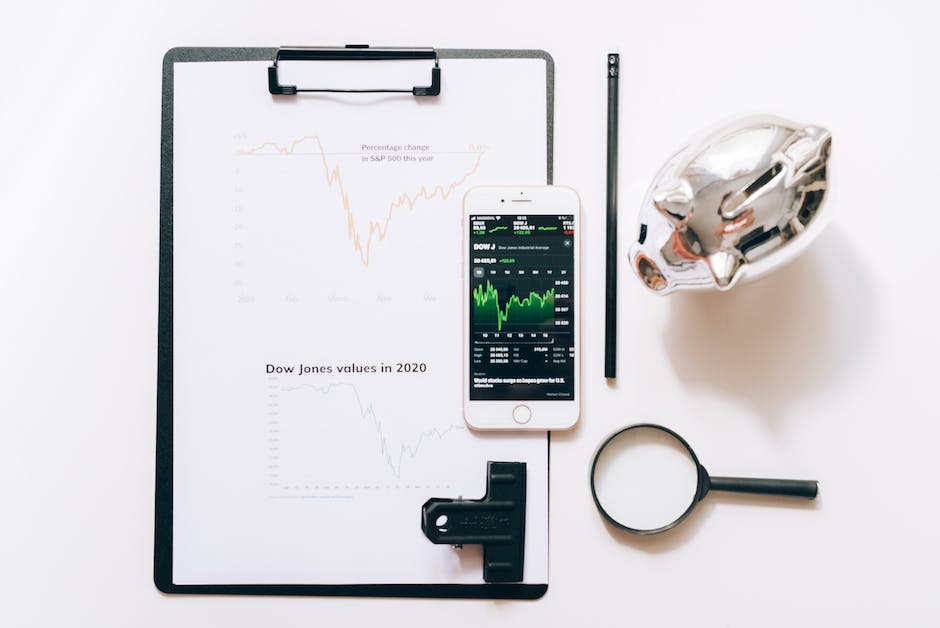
[521, 326]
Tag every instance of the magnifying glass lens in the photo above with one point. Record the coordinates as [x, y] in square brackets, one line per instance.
[645, 479]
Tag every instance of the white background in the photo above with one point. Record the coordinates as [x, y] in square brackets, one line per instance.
[826, 369]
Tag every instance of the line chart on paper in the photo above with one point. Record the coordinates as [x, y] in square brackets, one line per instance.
[330, 440]
[367, 204]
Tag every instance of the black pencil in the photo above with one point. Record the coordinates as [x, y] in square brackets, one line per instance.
[613, 89]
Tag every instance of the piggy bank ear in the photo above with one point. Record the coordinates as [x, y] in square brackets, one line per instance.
[673, 199]
[724, 265]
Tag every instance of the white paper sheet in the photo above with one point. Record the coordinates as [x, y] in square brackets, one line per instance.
[325, 232]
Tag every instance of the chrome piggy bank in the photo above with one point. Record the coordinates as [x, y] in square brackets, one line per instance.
[732, 206]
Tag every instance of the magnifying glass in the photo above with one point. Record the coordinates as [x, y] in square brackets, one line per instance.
[646, 479]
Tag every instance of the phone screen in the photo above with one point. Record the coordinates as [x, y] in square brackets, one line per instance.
[522, 326]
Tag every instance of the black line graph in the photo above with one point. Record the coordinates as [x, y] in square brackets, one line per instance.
[297, 417]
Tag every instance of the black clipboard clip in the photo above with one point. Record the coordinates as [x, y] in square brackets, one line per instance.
[354, 53]
[497, 521]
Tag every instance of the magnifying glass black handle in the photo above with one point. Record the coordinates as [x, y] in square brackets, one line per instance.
[761, 486]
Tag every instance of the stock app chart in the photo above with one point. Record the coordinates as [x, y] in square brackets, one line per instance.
[522, 307]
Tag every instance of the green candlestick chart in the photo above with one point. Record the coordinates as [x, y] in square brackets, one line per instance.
[531, 310]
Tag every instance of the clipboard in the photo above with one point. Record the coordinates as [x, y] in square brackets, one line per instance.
[176, 461]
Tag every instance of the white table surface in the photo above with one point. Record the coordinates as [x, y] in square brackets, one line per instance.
[827, 369]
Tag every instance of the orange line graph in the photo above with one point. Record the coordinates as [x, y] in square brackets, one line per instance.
[378, 228]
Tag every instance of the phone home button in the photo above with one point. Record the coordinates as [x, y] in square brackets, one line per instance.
[521, 414]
